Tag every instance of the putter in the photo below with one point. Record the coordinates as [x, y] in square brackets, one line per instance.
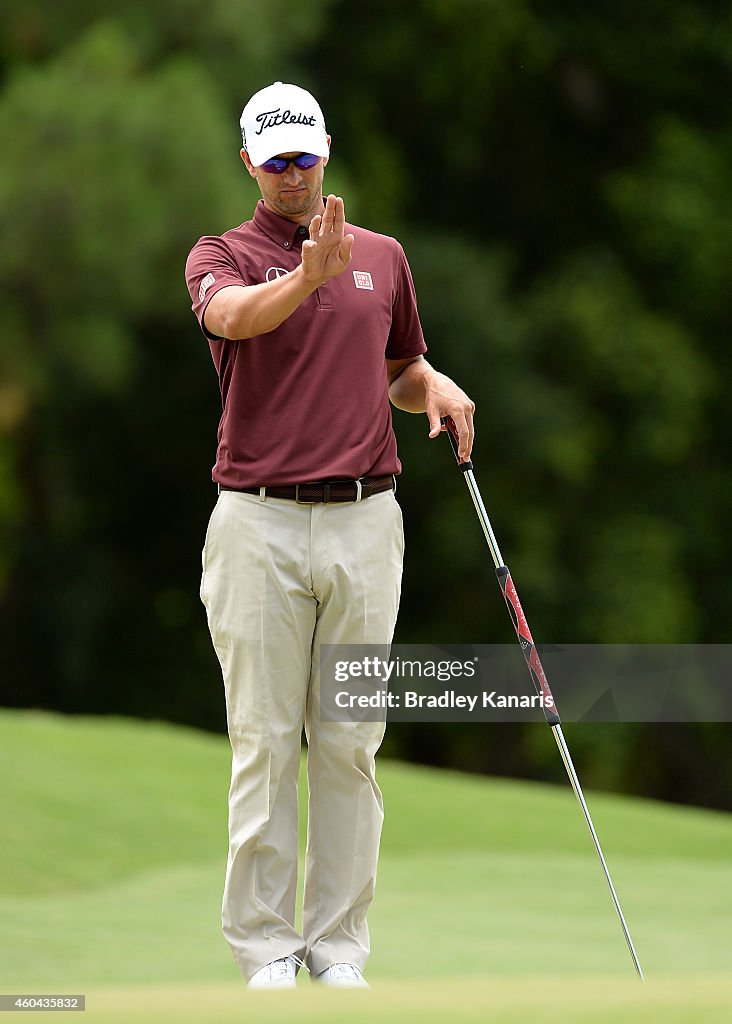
[533, 662]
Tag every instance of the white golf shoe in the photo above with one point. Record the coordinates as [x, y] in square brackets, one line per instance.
[279, 974]
[342, 976]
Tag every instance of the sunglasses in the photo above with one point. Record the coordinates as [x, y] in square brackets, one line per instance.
[279, 164]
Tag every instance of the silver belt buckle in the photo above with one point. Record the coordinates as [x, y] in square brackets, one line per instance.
[359, 489]
[304, 501]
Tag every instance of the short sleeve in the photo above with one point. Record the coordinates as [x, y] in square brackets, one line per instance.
[405, 336]
[210, 267]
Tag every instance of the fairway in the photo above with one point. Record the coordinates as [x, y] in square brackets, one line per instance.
[490, 900]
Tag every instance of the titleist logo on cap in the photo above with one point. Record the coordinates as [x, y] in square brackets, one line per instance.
[282, 118]
[271, 118]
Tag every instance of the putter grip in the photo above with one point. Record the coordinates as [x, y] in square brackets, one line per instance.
[452, 436]
[527, 645]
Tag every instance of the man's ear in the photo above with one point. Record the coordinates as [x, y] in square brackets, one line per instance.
[250, 167]
[327, 158]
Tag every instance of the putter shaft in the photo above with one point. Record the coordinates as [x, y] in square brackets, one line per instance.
[566, 758]
[536, 671]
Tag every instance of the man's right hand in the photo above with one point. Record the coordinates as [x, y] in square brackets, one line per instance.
[327, 253]
[244, 311]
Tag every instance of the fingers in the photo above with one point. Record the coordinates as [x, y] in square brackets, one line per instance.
[346, 248]
[433, 415]
[463, 420]
[327, 252]
[466, 434]
[339, 219]
[333, 220]
[462, 417]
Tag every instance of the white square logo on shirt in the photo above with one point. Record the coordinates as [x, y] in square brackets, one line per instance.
[363, 279]
[205, 285]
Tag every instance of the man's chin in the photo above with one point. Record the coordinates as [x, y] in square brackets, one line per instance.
[293, 206]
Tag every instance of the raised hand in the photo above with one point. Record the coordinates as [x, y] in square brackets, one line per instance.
[327, 252]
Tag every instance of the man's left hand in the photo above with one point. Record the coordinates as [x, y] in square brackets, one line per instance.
[444, 398]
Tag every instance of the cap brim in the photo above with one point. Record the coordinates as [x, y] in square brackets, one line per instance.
[287, 138]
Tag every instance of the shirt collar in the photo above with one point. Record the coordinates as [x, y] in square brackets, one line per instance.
[282, 231]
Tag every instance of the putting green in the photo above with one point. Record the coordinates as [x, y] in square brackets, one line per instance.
[535, 999]
[490, 899]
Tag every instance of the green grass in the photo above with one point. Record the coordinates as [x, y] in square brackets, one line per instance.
[490, 899]
[541, 1000]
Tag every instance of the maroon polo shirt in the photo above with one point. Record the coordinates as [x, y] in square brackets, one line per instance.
[309, 400]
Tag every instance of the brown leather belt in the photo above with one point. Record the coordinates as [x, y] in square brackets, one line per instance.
[326, 491]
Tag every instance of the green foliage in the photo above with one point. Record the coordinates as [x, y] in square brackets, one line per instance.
[102, 164]
[682, 235]
[237, 44]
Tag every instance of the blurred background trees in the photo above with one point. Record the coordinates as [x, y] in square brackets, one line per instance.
[561, 180]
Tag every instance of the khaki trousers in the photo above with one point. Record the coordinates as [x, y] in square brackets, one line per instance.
[278, 580]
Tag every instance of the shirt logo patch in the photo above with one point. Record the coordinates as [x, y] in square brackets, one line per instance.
[274, 272]
[363, 279]
[205, 285]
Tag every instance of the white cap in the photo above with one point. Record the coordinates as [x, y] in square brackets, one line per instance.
[282, 119]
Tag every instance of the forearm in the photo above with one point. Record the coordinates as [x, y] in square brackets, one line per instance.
[241, 313]
[408, 391]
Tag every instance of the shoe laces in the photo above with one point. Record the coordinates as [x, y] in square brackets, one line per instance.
[279, 969]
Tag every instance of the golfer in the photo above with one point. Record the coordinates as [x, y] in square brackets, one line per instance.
[313, 328]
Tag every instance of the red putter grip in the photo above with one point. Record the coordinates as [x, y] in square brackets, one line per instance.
[528, 647]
